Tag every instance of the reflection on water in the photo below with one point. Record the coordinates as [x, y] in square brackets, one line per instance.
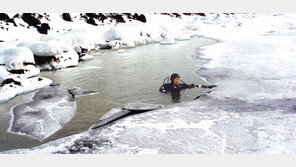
[134, 75]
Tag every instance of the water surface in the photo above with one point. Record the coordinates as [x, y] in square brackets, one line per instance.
[133, 75]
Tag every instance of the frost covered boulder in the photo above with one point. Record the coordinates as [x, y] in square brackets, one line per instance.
[125, 36]
[17, 68]
[19, 60]
[86, 57]
[82, 53]
[52, 107]
[54, 55]
[167, 39]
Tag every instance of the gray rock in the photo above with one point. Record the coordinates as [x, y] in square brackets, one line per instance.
[118, 113]
[76, 92]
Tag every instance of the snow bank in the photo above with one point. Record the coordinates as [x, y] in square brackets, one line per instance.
[79, 33]
[54, 55]
[19, 60]
[13, 85]
[49, 48]
[167, 39]
[17, 67]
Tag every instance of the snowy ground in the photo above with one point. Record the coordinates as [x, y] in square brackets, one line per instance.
[251, 111]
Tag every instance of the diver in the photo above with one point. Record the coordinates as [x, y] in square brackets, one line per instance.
[176, 85]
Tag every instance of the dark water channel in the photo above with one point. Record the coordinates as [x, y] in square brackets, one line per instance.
[133, 75]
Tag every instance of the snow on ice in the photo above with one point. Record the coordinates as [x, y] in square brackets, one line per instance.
[206, 125]
[130, 109]
[52, 107]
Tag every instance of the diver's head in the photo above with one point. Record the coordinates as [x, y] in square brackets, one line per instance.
[175, 79]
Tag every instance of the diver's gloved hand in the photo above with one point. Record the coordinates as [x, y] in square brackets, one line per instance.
[209, 86]
[212, 86]
[191, 85]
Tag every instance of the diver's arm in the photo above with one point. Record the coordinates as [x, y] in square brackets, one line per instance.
[205, 86]
[185, 86]
[164, 88]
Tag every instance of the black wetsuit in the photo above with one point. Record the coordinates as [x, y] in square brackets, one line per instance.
[174, 90]
[170, 87]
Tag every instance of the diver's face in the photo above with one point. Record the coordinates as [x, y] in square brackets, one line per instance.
[177, 81]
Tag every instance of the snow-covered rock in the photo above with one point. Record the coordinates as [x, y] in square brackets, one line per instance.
[168, 39]
[12, 85]
[52, 107]
[49, 48]
[86, 57]
[54, 55]
[19, 60]
[17, 67]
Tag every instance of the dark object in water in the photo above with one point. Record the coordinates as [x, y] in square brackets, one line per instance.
[130, 109]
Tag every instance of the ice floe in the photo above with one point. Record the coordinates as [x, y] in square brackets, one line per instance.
[52, 107]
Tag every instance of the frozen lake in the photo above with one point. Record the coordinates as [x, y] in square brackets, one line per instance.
[120, 77]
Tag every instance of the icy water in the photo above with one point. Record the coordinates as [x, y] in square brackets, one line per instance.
[133, 75]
